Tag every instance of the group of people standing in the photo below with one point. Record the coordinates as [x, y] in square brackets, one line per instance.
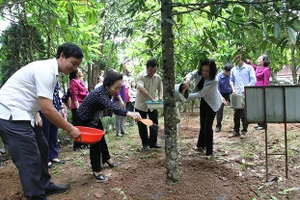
[214, 90]
[34, 88]
[31, 90]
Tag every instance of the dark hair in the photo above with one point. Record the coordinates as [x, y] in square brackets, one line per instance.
[111, 77]
[69, 50]
[66, 96]
[212, 67]
[151, 63]
[266, 60]
[228, 67]
[72, 75]
[131, 84]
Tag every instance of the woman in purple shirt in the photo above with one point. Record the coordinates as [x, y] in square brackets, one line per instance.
[262, 73]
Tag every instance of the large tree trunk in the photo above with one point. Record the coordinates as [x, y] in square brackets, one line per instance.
[170, 115]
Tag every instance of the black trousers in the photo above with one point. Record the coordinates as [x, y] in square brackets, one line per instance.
[28, 149]
[221, 110]
[98, 149]
[239, 115]
[207, 116]
[146, 140]
[75, 121]
[130, 106]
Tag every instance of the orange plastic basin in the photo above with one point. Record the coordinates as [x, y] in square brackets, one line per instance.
[89, 135]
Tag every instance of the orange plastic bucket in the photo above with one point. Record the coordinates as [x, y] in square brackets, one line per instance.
[89, 135]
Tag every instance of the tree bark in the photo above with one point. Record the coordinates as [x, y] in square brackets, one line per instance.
[293, 65]
[170, 114]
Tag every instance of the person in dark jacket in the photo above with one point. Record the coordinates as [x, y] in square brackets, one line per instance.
[88, 115]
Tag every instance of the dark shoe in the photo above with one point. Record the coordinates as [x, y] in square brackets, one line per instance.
[58, 161]
[157, 146]
[146, 148]
[218, 129]
[235, 134]
[56, 189]
[112, 165]
[99, 177]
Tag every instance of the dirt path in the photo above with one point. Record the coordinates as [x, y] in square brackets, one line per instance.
[236, 172]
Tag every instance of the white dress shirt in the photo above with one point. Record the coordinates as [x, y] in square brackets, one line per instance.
[19, 95]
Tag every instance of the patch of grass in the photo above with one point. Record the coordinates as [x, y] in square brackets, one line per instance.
[78, 157]
[120, 191]
[244, 166]
[56, 171]
[149, 155]
[108, 124]
[64, 138]
[125, 145]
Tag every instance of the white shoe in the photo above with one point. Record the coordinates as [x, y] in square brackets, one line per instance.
[208, 157]
[260, 128]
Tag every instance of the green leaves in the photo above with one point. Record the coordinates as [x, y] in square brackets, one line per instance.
[171, 21]
[296, 25]
[239, 11]
[292, 36]
[91, 17]
[277, 30]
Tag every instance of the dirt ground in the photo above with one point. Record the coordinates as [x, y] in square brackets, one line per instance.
[237, 170]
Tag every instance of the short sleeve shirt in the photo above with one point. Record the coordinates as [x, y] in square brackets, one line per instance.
[153, 85]
[19, 95]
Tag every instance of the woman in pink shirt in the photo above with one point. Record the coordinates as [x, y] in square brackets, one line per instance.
[78, 93]
[263, 73]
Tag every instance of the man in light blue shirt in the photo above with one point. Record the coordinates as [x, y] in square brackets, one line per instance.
[225, 89]
[241, 75]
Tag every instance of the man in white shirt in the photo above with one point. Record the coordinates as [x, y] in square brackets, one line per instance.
[26, 92]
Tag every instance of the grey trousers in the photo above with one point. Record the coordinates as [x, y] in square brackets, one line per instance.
[28, 149]
[119, 121]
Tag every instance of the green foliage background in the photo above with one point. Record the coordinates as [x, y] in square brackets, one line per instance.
[113, 32]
